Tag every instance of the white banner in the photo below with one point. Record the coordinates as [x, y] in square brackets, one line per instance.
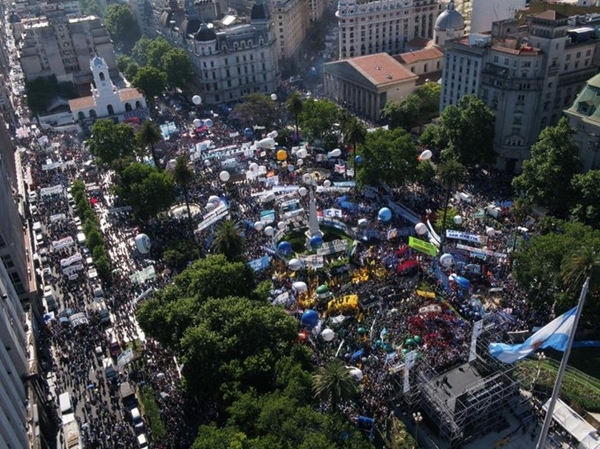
[409, 362]
[476, 251]
[124, 358]
[459, 235]
[337, 246]
[54, 190]
[329, 213]
[57, 217]
[477, 328]
[75, 258]
[62, 243]
[72, 269]
[51, 166]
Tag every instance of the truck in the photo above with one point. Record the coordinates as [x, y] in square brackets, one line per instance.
[71, 433]
[127, 394]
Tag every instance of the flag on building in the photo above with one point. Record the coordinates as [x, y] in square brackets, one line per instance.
[553, 335]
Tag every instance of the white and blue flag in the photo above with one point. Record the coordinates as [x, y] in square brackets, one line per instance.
[553, 335]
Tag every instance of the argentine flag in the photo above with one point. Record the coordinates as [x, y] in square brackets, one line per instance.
[553, 335]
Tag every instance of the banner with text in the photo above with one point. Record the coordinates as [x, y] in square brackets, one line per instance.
[424, 247]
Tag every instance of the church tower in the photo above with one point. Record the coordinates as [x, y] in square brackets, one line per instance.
[104, 88]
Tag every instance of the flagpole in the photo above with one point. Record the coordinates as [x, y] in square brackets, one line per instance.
[561, 371]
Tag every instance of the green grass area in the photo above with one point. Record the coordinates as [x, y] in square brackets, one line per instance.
[150, 409]
[584, 359]
[577, 386]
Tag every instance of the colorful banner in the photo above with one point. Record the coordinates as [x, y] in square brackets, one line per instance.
[425, 294]
[344, 304]
[62, 243]
[477, 329]
[260, 263]
[459, 235]
[476, 251]
[336, 246]
[424, 247]
[267, 216]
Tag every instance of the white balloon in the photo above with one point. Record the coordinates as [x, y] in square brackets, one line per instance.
[266, 143]
[197, 122]
[300, 286]
[356, 373]
[447, 260]
[142, 243]
[335, 153]
[253, 166]
[224, 176]
[425, 155]
[421, 228]
[259, 225]
[281, 225]
[214, 199]
[363, 222]
[458, 219]
[307, 178]
[197, 100]
[273, 134]
[207, 162]
[294, 264]
[299, 162]
[274, 97]
[269, 231]
[490, 231]
[302, 191]
[327, 334]
[327, 183]
[302, 153]
[210, 207]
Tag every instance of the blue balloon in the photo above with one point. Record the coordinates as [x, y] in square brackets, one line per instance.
[462, 282]
[248, 132]
[284, 247]
[208, 123]
[316, 241]
[385, 214]
[310, 319]
[358, 159]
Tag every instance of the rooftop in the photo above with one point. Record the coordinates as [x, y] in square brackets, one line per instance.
[420, 55]
[81, 103]
[550, 15]
[381, 68]
[130, 93]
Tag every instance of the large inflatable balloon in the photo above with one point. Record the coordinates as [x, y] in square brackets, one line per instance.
[273, 134]
[421, 228]
[197, 100]
[281, 225]
[447, 260]
[253, 167]
[210, 207]
[284, 247]
[267, 142]
[302, 153]
[356, 373]
[462, 282]
[425, 155]
[214, 199]
[142, 243]
[490, 231]
[259, 226]
[327, 334]
[248, 132]
[322, 290]
[307, 178]
[335, 153]
[384, 214]
[208, 123]
[458, 219]
[316, 241]
[300, 162]
[300, 286]
[269, 231]
[294, 264]
[197, 123]
[302, 191]
[327, 183]
[363, 222]
[281, 155]
[358, 159]
[224, 176]
[310, 318]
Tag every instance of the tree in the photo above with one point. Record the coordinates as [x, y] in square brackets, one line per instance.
[151, 81]
[335, 383]
[586, 193]
[546, 177]
[111, 143]
[450, 174]
[213, 437]
[582, 263]
[466, 131]
[403, 113]
[121, 26]
[388, 157]
[255, 109]
[157, 48]
[140, 50]
[354, 133]
[149, 135]
[228, 240]
[146, 189]
[183, 176]
[123, 61]
[178, 66]
[179, 253]
[318, 116]
[294, 107]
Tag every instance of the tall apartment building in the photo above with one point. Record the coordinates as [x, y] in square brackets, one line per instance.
[527, 76]
[237, 60]
[291, 19]
[484, 12]
[63, 47]
[383, 25]
[317, 8]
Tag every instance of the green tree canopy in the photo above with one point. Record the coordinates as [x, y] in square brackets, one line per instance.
[546, 177]
[146, 189]
[140, 50]
[256, 109]
[122, 27]
[148, 136]
[151, 81]
[183, 175]
[333, 382]
[466, 131]
[172, 309]
[388, 157]
[317, 117]
[416, 109]
[586, 192]
[178, 66]
[123, 61]
[228, 240]
[157, 48]
[112, 143]
[294, 106]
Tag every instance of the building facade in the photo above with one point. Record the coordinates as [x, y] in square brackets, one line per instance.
[317, 8]
[63, 48]
[484, 12]
[383, 25]
[526, 76]
[291, 19]
[107, 100]
[584, 117]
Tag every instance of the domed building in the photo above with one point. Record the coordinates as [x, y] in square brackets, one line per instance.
[450, 24]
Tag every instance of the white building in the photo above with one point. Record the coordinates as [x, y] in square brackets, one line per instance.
[383, 25]
[484, 12]
[107, 100]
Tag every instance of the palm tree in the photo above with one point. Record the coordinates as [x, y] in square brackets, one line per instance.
[583, 263]
[228, 240]
[183, 176]
[450, 173]
[355, 133]
[334, 382]
[149, 135]
[294, 107]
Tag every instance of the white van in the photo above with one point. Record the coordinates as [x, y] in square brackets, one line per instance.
[136, 419]
[64, 400]
[81, 238]
[109, 369]
[142, 441]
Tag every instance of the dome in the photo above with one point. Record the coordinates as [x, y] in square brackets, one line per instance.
[450, 19]
[260, 11]
[189, 26]
[205, 34]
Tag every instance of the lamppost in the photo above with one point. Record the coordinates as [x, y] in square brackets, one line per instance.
[540, 356]
[594, 147]
[418, 418]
